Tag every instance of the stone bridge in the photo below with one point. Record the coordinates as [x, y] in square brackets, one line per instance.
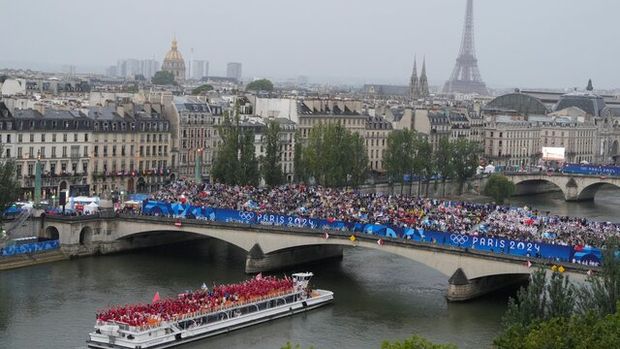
[574, 187]
[471, 273]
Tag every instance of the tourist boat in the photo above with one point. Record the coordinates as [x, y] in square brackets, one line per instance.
[204, 313]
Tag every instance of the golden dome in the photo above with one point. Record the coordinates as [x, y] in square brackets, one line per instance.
[173, 54]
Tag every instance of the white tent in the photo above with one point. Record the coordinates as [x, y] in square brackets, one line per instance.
[91, 208]
[489, 169]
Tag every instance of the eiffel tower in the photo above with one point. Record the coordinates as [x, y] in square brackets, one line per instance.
[465, 77]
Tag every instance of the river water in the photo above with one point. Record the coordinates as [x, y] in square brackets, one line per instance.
[378, 296]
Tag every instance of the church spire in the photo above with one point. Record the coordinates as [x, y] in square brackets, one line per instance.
[414, 88]
[423, 85]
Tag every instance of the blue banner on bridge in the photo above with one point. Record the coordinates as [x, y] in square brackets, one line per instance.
[13, 250]
[578, 254]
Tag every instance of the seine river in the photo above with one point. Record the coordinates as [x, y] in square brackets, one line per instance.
[378, 296]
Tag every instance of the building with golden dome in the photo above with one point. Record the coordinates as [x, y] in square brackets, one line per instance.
[174, 63]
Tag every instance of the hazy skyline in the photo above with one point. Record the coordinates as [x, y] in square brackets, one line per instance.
[526, 43]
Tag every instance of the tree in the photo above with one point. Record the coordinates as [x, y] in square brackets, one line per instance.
[271, 168]
[300, 172]
[499, 187]
[334, 156]
[248, 164]
[226, 162]
[398, 156]
[422, 163]
[8, 182]
[415, 342]
[464, 160]
[260, 85]
[443, 161]
[602, 291]
[577, 331]
[358, 160]
[202, 89]
[163, 77]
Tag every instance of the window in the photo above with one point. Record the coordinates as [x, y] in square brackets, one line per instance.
[85, 137]
[42, 137]
[8, 153]
[75, 137]
[20, 138]
[85, 151]
[32, 137]
[8, 138]
[64, 152]
[53, 152]
[64, 137]
[31, 152]
[53, 137]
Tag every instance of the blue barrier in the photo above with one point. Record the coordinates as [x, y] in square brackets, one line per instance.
[34, 247]
[606, 170]
[482, 242]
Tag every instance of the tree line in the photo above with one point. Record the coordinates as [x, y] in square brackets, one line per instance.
[411, 154]
[236, 163]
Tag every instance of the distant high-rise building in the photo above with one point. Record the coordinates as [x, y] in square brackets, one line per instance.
[149, 68]
[69, 70]
[233, 70]
[129, 68]
[465, 77]
[198, 69]
[111, 71]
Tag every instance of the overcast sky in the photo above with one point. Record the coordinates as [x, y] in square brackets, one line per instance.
[519, 43]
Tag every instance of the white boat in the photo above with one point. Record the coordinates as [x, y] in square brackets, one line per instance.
[210, 322]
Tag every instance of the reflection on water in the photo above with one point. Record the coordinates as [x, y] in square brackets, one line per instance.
[378, 296]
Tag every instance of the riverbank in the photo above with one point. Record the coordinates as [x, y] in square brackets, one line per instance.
[27, 260]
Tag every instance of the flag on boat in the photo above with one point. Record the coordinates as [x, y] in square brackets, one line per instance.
[156, 297]
[561, 269]
[204, 287]
[380, 242]
[178, 224]
[325, 236]
[259, 276]
[352, 238]
[529, 264]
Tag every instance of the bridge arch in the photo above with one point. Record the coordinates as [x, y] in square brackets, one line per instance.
[529, 186]
[186, 232]
[51, 232]
[86, 235]
[589, 192]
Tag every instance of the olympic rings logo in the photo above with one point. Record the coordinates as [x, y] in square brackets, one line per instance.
[459, 239]
[246, 216]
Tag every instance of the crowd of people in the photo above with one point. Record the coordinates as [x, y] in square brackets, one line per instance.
[395, 210]
[202, 301]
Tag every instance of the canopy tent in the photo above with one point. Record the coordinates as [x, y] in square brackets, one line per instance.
[91, 208]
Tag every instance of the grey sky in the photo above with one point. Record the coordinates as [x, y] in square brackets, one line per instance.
[525, 43]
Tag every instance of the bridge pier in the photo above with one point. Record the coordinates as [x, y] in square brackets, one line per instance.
[257, 261]
[460, 288]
